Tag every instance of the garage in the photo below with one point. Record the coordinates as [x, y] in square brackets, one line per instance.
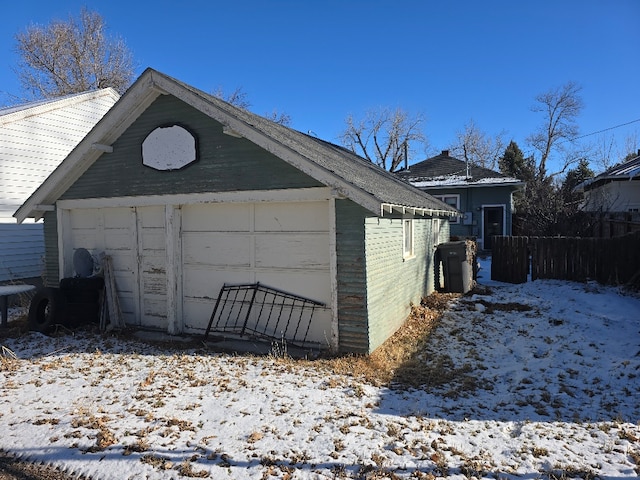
[188, 194]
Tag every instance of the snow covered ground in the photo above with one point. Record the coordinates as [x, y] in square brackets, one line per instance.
[540, 380]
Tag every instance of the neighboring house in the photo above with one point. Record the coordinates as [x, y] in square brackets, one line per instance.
[186, 193]
[483, 196]
[615, 190]
[34, 139]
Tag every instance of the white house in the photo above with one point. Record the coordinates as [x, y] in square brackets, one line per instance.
[615, 190]
[34, 139]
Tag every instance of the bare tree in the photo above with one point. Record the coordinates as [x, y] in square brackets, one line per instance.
[560, 108]
[385, 137]
[72, 56]
[477, 148]
[237, 97]
[279, 117]
[240, 99]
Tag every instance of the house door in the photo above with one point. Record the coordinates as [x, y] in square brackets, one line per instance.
[492, 224]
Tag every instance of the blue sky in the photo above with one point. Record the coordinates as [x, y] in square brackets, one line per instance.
[319, 61]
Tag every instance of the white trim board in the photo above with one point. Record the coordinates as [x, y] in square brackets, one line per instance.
[253, 196]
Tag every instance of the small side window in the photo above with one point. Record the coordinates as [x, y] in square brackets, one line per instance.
[452, 200]
[407, 233]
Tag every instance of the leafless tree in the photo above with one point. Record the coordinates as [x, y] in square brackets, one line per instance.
[279, 117]
[477, 148]
[240, 99]
[560, 108]
[384, 136]
[237, 97]
[72, 56]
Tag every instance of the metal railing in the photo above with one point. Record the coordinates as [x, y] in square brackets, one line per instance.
[257, 310]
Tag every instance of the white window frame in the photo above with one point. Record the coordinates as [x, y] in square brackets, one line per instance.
[457, 205]
[408, 243]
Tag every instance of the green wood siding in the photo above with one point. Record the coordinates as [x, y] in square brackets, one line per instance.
[51, 275]
[394, 282]
[351, 272]
[376, 285]
[471, 200]
[225, 163]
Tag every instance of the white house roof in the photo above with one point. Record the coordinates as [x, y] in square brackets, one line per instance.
[38, 107]
[348, 174]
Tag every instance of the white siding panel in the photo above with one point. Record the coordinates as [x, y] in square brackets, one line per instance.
[34, 141]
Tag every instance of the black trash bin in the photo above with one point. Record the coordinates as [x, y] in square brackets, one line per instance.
[457, 260]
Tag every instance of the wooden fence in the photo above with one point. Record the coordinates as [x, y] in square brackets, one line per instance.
[609, 225]
[613, 261]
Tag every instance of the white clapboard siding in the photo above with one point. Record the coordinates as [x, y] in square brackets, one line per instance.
[34, 139]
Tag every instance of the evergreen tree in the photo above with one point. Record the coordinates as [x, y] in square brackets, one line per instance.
[513, 163]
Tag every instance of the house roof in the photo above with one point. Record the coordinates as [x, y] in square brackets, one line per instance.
[629, 170]
[348, 174]
[444, 170]
[24, 110]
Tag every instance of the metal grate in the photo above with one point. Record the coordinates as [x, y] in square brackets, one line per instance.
[264, 312]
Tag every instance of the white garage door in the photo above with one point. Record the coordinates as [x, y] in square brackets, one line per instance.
[135, 240]
[280, 245]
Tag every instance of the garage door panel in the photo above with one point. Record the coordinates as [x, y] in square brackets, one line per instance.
[85, 239]
[117, 218]
[292, 251]
[118, 239]
[196, 315]
[122, 260]
[200, 292]
[155, 313]
[217, 249]
[305, 284]
[154, 240]
[292, 217]
[205, 283]
[216, 216]
[154, 285]
[83, 218]
[152, 217]
[128, 307]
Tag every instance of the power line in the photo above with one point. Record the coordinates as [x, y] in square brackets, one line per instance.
[605, 130]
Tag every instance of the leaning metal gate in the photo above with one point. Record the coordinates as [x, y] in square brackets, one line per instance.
[264, 312]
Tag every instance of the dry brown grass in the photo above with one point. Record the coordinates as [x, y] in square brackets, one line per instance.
[396, 360]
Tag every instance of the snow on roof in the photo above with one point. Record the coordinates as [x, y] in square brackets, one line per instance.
[459, 181]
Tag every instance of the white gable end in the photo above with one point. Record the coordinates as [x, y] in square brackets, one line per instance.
[33, 142]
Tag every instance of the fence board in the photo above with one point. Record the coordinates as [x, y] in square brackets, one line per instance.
[607, 260]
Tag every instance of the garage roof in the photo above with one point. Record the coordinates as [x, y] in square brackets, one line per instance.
[349, 175]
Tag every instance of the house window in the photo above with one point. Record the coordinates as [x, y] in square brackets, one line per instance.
[407, 235]
[452, 200]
